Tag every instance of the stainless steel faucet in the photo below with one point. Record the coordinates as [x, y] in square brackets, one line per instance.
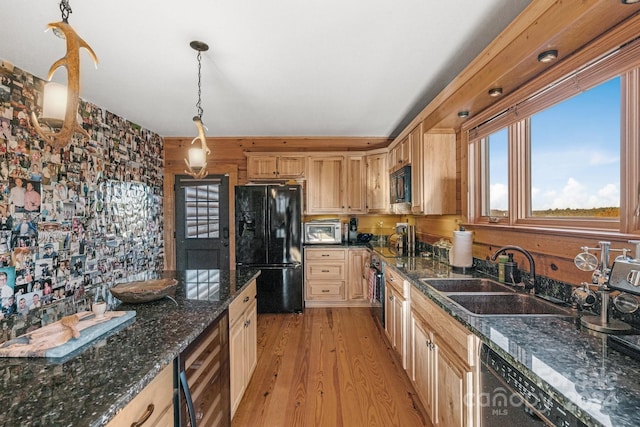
[531, 283]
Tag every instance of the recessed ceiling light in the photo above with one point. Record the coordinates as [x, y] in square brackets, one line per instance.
[630, 1]
[495, 92]
[463, 114]
[548, 56]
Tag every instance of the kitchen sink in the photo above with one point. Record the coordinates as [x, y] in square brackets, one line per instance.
[467, 285]
[506, 304]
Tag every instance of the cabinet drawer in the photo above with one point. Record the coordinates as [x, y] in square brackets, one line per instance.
[449, 332]
[156, 397]
[325, 271]
[397, 282]
[242, 301]
[325, 254]
[325, 290]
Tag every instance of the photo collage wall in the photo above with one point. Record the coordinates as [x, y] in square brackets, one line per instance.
[70, 218]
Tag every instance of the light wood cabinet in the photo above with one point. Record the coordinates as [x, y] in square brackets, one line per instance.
[272, 166]
[377, 183]
[417, 168]
[336, 277]
[355, 184]
[423, 363]
[399, 154]
[242, 342]
[325, 185]
[397, 313]
[434, 172]
[206, 365]
[444, 361]
[325, 275]
[335, 184]
[153, 406]
[358, 282]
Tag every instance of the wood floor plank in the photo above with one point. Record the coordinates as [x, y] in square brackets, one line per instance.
[327, 367]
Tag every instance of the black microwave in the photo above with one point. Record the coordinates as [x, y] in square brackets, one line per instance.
[400, 185]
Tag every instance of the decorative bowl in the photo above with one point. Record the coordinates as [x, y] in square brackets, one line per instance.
[144, 290]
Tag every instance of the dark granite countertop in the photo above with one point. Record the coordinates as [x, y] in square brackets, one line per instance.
[90, 387]
[576, 366]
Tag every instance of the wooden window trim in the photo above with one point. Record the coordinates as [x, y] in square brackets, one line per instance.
[624, 62]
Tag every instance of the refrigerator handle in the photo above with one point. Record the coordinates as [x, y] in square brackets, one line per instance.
[225, 236]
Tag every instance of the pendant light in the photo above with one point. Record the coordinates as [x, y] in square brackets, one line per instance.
[197, 157]
[60, 105]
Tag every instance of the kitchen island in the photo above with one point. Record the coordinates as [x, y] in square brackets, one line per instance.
[577, 367]
[89, 388]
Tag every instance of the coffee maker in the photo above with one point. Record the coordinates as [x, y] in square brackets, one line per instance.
[353, 230]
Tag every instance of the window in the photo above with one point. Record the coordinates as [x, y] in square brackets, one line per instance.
[566, 156]
[575, 155]
[497, 164]
[202, 210]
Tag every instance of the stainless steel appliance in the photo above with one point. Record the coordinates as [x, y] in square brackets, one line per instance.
[326, 232]
[508, 398]
[269, 237]
[378, 282]
[400, 185]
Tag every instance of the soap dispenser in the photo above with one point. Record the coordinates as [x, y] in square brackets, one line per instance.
[511, 272]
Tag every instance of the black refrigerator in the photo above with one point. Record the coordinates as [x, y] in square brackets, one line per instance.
[269, 237]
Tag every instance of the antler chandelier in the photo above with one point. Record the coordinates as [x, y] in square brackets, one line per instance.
[197, 157]
[59, 112]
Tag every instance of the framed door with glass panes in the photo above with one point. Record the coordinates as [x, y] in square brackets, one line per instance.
[202, 222]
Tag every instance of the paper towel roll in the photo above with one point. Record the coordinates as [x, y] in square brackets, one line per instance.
[462, 251]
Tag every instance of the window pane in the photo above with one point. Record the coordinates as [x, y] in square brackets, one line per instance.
[202, 210]
[498, 162]
[575, 155]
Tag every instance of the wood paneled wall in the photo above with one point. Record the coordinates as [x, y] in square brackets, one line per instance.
[227, 157]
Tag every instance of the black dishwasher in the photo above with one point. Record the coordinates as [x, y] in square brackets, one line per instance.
[508, 398]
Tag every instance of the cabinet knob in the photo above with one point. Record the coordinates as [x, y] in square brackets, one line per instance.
[325, 291]
[325, 271]
[143, 419]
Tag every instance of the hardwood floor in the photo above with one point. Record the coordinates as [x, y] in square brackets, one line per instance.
[327, 367]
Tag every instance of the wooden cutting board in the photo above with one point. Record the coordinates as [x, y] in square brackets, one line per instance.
[64, 336]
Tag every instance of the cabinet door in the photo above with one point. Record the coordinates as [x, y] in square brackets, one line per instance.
[400, 306]
[355, 184]
[251, 343]
[325, 183]
[261, 167]
[358, 283]
[439, 173]
[454, 383]
[388, 312]
[291, 167]
[377, 184]
[154, 403]
[236, 363]
[405, 152]
[417, 168]
[423, 365]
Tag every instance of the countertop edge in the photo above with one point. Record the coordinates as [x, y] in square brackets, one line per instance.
[165, 360]
[448, 307]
